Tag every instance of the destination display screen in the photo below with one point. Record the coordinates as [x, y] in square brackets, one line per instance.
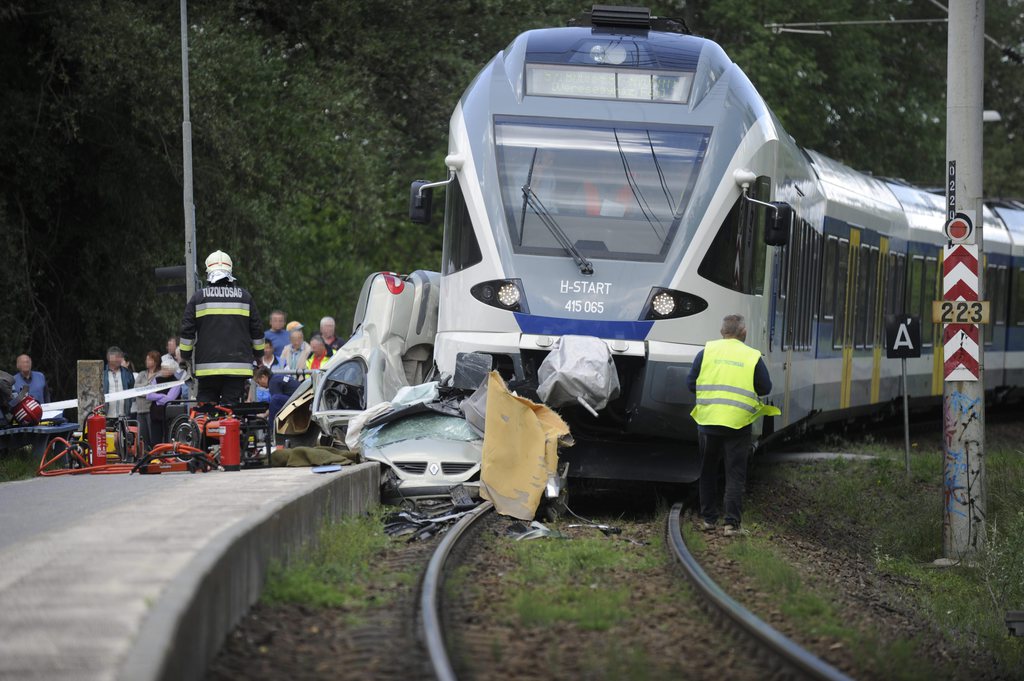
[603, 83]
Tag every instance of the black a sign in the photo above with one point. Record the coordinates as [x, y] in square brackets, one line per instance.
[902, 336]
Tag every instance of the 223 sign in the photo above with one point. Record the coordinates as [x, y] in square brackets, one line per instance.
[960, 311]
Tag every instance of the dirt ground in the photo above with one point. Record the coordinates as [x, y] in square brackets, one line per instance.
[666, 636]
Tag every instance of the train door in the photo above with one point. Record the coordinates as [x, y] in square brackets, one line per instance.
[849, 315]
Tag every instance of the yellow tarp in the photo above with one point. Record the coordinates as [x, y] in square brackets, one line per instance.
[520, 450]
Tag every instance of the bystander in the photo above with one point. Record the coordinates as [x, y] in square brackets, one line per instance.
[115, 379]
[34, 380]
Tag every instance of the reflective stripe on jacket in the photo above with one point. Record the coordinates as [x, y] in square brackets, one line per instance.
[222, 327]
[725, 386]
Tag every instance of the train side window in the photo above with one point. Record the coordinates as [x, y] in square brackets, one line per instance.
[460, 248]
[990, 287]
[930, 293]
[1017, 314]
[828, 288]
[875, 274]
[737, 254]
[999, 296]
[914, 283]
[865, 289]
[796, 267]
[810, 301]
[784, 265]
[883, 295]
[894, 283]
[842, 270]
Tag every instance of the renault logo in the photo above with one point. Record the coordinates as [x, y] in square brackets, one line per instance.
[434, 469]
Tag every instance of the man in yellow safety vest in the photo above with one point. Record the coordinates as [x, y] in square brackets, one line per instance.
[727, 377]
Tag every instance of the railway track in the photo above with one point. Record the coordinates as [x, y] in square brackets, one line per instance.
[782, 652]
[789, 655]
[431, 593]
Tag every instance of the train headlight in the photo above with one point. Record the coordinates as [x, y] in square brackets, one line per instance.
[508, 295]
[666, 303]
[504, 294]
[663, 304]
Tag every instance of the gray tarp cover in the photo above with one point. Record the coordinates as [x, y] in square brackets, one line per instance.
[581, 366]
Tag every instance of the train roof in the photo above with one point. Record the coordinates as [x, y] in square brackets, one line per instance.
[857, 198]
[590, 47]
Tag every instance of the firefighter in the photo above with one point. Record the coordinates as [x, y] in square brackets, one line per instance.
[727, 377]
[222, 327]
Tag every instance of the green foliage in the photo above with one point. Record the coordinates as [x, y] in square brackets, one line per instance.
[568, 581]
[900, 520]
[18, 464]
[811, 610]
[334, 573]
[309, 120]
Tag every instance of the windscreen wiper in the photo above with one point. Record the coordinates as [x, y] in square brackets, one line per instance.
[530, 198]
[526, 193]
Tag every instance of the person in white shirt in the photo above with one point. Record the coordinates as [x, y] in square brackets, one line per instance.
[115, 379]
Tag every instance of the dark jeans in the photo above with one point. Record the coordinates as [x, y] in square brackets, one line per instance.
[734, 449]
[145, 432]
[221, 389]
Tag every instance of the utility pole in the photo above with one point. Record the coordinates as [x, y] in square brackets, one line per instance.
[186, 145]
[963, 394]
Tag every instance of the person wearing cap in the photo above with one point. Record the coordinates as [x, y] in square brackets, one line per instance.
[294, 355]
[222, 333]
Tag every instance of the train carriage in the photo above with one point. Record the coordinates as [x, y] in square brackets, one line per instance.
[624, 180]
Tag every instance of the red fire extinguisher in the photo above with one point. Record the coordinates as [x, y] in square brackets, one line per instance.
[230, 448]
[96, 427]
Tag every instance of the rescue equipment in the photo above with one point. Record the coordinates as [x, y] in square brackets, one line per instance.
[27, 411]
[96, 436]
[229, 430]
[174, 457]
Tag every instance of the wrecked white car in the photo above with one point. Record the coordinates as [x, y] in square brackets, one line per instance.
[423, 453]
[391, 346]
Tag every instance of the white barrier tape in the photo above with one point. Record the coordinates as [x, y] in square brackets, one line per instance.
[113, 397]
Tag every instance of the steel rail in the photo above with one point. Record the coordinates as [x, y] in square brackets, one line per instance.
[770, 640]
[430, 593]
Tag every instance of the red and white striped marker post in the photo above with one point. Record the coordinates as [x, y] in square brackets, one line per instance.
[963, 393]
[960, 341]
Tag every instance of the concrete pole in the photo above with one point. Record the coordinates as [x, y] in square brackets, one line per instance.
[963, 402]
[186, 145]
[90, 388]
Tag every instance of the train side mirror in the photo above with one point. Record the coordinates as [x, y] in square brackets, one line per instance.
[777, 223]
[421, 202]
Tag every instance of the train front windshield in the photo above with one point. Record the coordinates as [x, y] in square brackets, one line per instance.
[614, 191]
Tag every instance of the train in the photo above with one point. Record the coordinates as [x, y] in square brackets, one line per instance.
[622, 179]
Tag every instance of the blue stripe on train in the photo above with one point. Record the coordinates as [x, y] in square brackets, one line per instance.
[559, 326]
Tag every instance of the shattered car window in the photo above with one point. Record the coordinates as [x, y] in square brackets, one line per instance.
[418, 427]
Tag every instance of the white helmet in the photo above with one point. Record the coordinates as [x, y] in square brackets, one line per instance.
[218, 266]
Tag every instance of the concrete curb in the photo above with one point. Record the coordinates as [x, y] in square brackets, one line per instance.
[186, 627]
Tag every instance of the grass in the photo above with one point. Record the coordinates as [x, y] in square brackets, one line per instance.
[578, 581]
[899, 522]
[18, 464]
[568, 581]
[337, 570]
[811, 611]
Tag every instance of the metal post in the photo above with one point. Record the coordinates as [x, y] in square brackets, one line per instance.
[186, 144]
[906, 420]
[963, 401]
